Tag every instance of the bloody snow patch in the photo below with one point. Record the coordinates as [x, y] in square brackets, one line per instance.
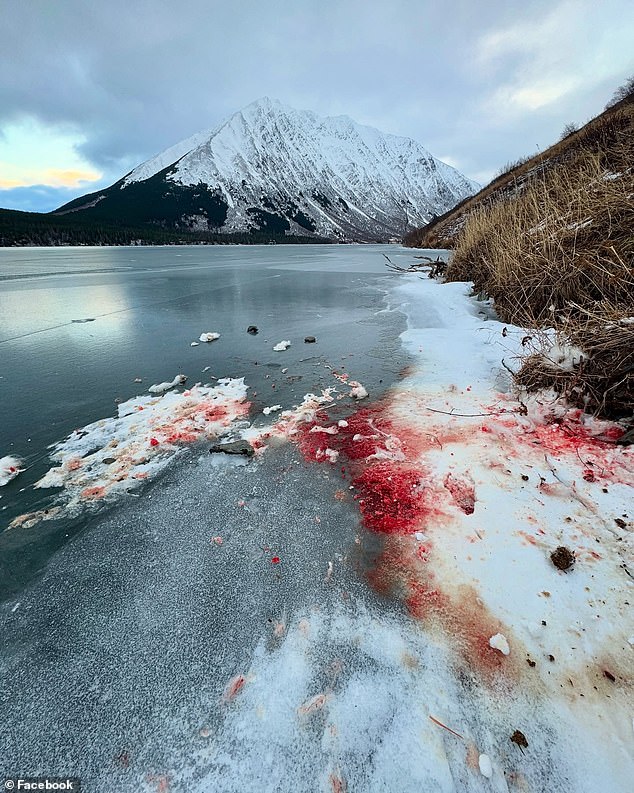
[420, 473]
[10, 467]
[113, 455]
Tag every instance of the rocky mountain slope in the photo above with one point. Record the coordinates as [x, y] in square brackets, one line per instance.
[271, 168]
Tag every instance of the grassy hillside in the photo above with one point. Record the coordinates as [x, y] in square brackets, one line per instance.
[602, 135]
[552, 242]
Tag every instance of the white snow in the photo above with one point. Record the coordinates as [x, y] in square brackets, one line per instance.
[10, 467]
[381, 178]
[161, 388]
[357, 390]
[209, 336]
[486, 769]
[565, 357]
[499, 642]
[282, 345]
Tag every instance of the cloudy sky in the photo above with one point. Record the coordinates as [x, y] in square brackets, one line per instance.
[89, 89]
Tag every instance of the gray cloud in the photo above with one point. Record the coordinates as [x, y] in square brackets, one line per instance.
[460, 77]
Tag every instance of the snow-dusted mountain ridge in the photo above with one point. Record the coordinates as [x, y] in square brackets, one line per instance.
[273, 168]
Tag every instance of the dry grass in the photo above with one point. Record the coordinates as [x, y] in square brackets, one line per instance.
[599, 134]
[559, 252]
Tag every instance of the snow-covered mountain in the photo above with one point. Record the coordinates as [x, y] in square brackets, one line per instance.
[276, 169]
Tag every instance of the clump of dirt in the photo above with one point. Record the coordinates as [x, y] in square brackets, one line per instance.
[563, 558]
[520, 739]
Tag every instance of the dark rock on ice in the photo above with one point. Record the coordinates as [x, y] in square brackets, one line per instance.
[233, 447]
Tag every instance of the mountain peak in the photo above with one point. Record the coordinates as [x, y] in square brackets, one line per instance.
[270, 167]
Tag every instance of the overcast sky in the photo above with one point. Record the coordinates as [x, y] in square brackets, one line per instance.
[89, 89]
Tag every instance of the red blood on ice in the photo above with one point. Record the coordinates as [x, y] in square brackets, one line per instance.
[424, 600]
[393, 497]
[153, 442]
[275, 560]
[614, 433]
[588, 475]
[234, 687]
[93, 493]
[11, 469]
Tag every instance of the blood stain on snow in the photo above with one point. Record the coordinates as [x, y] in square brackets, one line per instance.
[233, 688]
[313, 705]
[337, 784]
[93, 493]
[392, 498]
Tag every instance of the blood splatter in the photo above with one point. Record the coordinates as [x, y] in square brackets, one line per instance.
[233, 688]
[93, 493]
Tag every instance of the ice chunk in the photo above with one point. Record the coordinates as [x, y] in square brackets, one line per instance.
[9, 469]
[282, 345]
[161, 388]
[208, 337]
[498, 642]
[357, 390]
[271, 409]
[326, 430]
[486, 769]
[194, 344]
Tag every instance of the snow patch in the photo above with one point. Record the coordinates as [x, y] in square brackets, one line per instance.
[161, 388]
[10, 467]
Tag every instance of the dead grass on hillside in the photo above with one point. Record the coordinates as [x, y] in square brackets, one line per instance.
[600, 135]
[560, 254]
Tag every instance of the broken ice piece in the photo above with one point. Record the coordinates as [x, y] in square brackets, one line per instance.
[342, 423]
[486, 769]
[498, 642]
[284, 371]
[194, 344]
[271, 409]
[9, 469]
[208, 337]
[160, 388]
[282, 345]
[357, 390]
[332, 455]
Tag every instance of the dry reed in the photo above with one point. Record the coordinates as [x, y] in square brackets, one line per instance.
[558, 252]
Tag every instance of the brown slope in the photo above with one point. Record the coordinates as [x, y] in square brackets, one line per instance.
[602, 135]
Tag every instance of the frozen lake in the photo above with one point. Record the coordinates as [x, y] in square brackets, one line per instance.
[369, 603]
[148, 304]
